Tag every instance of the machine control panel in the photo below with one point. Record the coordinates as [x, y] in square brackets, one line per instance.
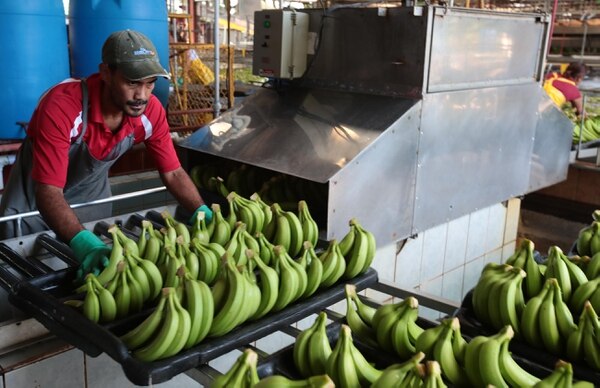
[280, 43]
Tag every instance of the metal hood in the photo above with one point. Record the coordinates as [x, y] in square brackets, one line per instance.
[412, 116]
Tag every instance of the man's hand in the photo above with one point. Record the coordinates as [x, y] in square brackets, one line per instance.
[91, 252]
[208, 214]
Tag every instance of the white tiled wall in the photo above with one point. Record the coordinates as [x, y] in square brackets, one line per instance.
[447, 260]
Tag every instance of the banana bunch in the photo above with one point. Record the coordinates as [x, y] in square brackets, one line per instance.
[589, 291]
[247, 211]
[523, 258]
[313, 267]
[567, 273]
[197, 299]
[143, 272]
[150, 242]
[269, 286]
[312, 348]
[588, 239]
[219, 228]
[399, 375]
[242, 373]
[562, 377]
[279, 381]
[235, 298]
[200, 230]
[547, 320]
[209, 258]
[358, 248]
[285, 229]
[293, 279]
[188, 257]
[361, 327]
[334, 264]
[175, 228]
[266, 208]
[99, 304]
[239, 243]
[498, 296]
[489, 362]
[445, 344]
[583, 344]
[310, 229]
[147, 274]
[346, 365]
[163, 333]
[395, 327]
[265, 250]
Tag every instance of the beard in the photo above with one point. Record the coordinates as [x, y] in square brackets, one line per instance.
[135, 108]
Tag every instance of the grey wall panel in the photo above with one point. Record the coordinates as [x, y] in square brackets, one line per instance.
[474, 151]
[378, 186]
[474, 49]
[551, 146]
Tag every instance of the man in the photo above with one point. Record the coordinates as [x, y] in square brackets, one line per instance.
[77, 131]
[562, 88]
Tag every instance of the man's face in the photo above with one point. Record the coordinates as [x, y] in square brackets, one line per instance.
[130, 96]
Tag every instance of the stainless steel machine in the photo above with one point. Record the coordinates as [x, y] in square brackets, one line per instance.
[411, 116]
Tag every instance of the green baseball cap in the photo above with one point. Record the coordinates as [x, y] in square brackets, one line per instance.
[134, 54]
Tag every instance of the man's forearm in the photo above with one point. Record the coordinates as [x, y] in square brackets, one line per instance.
[181, 186]
[56, 212]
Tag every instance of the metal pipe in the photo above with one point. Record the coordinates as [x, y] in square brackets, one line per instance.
[552, 21]
[217, 104]
[113, 198]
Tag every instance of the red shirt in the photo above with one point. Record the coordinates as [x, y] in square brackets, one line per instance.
[570, 91]
[56, 124]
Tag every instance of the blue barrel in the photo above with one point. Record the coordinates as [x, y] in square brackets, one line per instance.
[35, 56]
[92, 21]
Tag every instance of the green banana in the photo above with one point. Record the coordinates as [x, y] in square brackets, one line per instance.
[529, 319]
[269, 288]
[106, 300]
[472, 358]
[279, 381]
[319, 348]
[140, 334]
[310, 229]
[340, 365]
[200, 305]
[359, 328]
[489, 358]
[159, 344]
[91, 303]
[394, 374]
[228, 317]
[183, 330]
[314, 270]
[548, 324]
[289, 280]
[513, 374]
[443, 353]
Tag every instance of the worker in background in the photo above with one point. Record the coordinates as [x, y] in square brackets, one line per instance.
[78, 130]
[562, 88]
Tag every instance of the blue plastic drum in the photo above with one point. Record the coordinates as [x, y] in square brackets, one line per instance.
[35, 56]
[92, 21]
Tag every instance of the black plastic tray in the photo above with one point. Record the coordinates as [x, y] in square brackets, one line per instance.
[472, 327]
[42, 297]
[282, 361]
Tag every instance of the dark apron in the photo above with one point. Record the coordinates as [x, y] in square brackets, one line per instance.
[87, 180]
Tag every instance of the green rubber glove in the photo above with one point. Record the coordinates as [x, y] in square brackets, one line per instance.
[91, 252]
[208, 214]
